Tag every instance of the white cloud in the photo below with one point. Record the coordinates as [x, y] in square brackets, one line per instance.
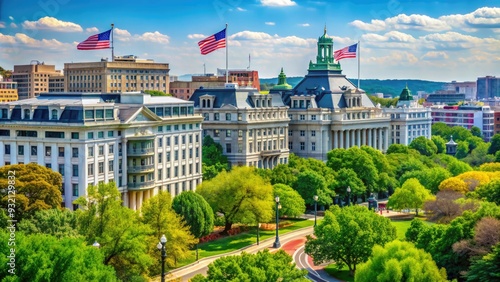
[122, 34]
[23, 39]
[374, 25]
[196, 36]
[2, 25]
[7, 39]
[456, 41]
[54, 24]
[11, 18]
[305, 24]
[403, 21]
[270, 23]
[392, 59]
[391, 36]
[484, 17]
[240, 9]
[156, 37]
[277, 3]
[92, 29]
[435, 55]
[13, 25]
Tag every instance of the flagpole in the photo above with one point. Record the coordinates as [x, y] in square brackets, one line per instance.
[227, 72]
[112, 47]
[358, 55]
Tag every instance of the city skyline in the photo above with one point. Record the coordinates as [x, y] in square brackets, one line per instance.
[449, 40]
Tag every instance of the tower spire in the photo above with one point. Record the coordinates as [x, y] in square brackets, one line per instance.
[325, 29]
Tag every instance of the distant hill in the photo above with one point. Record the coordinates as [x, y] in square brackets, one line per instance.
[386, 86]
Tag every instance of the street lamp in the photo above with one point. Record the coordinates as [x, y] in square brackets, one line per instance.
[96, 245]
[161, 247]
[315, 197]
[348, 195]
[258, 227]
[277, 243]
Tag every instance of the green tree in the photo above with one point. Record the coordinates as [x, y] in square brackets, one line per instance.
[479, 155]
[36, 188]
[462, 150]
[263, 266]
[397, 148]
[440, 143]
[441, 129]
[460, 133]
[310, 183]
[283, 174]
[429, 178]
[357, 160]
[213, 159]
[157, 212]
[122, 236]
[424, 146]
[44, 258]
[292, 203]
[347, 177]
[474, 142]
[486, 268]
[399, 261]
[196, 212]
[56, 222]
[476, 131]
[411, 195]
[490, 191]
[156, 93]
[495, 144]
[241, 195]
[347, 236]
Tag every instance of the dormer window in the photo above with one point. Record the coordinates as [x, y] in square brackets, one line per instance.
[5, 113]
[54, 115]
[27, 114]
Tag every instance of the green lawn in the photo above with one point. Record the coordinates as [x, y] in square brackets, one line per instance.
[233, 243]
[342, 274]
[402, 226]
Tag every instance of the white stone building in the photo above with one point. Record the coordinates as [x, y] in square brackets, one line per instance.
[144, 144]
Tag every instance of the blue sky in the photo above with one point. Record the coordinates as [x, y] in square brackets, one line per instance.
[434, 40]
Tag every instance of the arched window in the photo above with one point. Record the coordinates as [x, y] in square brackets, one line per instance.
[208, 104]
[203, 103]
[54, 114]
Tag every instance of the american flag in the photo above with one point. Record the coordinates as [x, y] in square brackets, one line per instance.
[213, 42]
[96, 41]
[347, 52]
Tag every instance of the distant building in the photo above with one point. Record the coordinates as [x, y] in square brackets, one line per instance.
[33, 79]
[488, 87]
[252, 128]
[444, 99]
[466, 116]
[409, 120]
[144, 144]
[124, 74]
[56, 83]
[469, 88]
[184, 89]
[496, 121]
[8, 90]
[245, 78]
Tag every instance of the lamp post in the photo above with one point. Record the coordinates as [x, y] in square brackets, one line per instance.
[315, 197]
[348, 195]
[277, 243]
[258, 228]
[161, 247]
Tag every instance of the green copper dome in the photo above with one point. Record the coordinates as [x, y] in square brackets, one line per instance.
[282, 85]
[324, 57]
[406, 95]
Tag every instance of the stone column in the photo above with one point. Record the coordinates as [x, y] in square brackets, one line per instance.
[386, 131]
[369, 137]
[348, 139]
[358, 137]
[133, 200]
[341, 137]
[380, 145]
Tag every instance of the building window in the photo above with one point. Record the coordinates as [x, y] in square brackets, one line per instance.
[91, 152]
[302, 146]
[75, 190]
[111, 133]
[290, 132]
[34, 150]
[61, 169]
[75, 135]
[313, 117]
[216, 116]
[302, 117]
[216, 133]
[75, 170]
[75, 152]
[89, 114]
[100, 167]
[240, 117]
[313, 146]
[313, 133]
[160, 174]
[7, 149]
[290, 145]
[90, 168]
[100, 134]
[26, 114]
[61, 151]
[90, 135]
[101, 150]
[54, 115]
[111, 149]
[228, 116]
[228, 133]
[240, 133]
[48, 165]
[302, 133]
[228, 148]
[160, 157]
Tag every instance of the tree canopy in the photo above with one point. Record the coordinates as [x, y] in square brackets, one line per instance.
[424, 146]
[347, 236]
[57, 222]
[399, 261]
[292, 203]
[36, 188]
[412, 195]
[213, 159]
[241, 195]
